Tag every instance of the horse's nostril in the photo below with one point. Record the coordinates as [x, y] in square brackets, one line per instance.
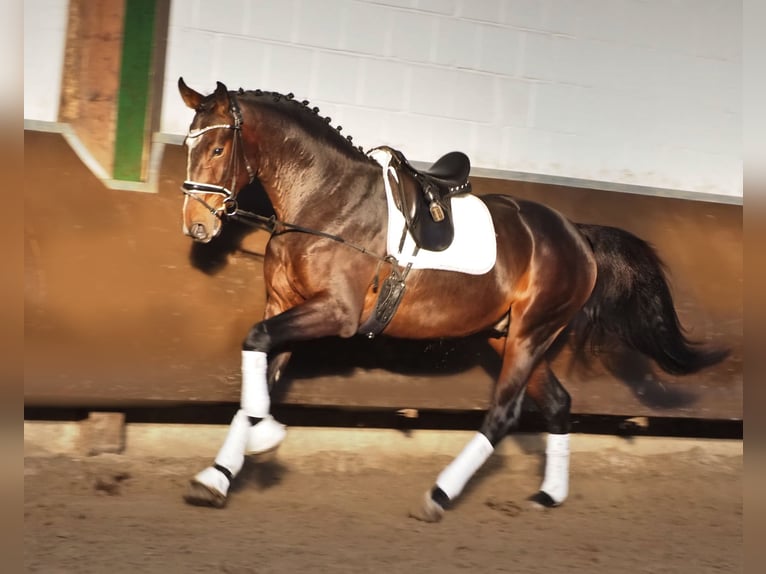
[198, 231]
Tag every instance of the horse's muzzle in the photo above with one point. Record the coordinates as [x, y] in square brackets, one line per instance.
[198, 232]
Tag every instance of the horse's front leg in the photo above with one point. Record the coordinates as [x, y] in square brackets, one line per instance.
[253, 429]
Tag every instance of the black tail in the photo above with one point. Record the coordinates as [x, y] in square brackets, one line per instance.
[631, 304]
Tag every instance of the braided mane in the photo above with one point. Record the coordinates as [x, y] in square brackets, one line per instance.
[302, 113]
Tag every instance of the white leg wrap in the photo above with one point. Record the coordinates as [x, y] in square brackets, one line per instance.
[255, 399]
[556, 480]
[265, 436]
[231, 455]
[453, 479]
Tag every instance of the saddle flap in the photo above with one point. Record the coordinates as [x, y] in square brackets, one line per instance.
[423, 196]
[426, 196]
[427, 232]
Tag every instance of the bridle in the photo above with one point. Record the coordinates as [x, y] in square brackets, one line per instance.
[194, 189]
[230, 208]
[389, 293]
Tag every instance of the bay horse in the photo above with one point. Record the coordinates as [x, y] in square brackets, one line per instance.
[327, 258]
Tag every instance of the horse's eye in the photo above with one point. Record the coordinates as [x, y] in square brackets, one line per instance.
[218, 151]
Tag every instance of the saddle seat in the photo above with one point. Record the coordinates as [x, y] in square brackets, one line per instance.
[428, 191]
[449, 172]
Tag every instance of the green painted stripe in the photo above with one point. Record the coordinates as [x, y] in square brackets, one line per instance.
[135, 86]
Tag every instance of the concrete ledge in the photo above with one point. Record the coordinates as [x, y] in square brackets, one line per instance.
[151, 185]
[43, 438]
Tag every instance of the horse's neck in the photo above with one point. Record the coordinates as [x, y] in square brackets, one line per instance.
[322, 188]
[312, 179]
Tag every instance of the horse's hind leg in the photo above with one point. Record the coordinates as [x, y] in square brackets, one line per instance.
[535, 322]
[554, 403]
[521, 356]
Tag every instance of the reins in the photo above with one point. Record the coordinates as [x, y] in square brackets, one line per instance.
[273, 225]
[393, 284]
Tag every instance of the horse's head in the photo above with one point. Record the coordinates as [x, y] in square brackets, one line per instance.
[214, 169]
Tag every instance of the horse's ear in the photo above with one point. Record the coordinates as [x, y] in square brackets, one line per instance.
[190, 97]
[221, 98]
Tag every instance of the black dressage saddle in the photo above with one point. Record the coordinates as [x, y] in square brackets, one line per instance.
[423, 196]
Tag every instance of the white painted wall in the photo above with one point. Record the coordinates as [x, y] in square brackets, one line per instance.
[644, 92]
[641, 92]
[45, 23]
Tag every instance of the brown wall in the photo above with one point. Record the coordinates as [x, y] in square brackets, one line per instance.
[117, 314]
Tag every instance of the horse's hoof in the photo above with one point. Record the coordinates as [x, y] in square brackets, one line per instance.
[429, 510]
[542, 500]
[208, 488]
[198, 494]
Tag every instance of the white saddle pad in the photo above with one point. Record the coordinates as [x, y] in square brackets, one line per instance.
[474, 248]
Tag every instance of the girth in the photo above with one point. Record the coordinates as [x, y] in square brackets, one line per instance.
[423, 196]
[389, 297]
